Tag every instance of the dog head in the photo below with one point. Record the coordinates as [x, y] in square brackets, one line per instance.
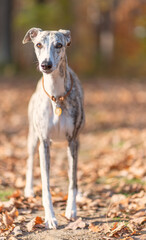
[50, 47]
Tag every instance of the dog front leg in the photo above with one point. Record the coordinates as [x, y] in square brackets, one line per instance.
[50, 219]
[72, 173]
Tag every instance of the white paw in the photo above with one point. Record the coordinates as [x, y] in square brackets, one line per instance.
[51, 223]
[28, 192]
[71, 212]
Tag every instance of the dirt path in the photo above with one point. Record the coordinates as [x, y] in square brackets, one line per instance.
[111, 169]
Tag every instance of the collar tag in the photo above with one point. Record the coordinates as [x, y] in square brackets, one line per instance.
[58, 111]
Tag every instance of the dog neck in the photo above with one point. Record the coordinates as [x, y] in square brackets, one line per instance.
[55, 83]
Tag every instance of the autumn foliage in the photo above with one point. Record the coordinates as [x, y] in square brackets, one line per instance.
[111, 170]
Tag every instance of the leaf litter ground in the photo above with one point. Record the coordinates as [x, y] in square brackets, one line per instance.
[111, 170]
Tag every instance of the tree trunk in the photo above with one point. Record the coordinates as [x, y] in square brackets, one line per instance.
[106, 36]
[5, 31]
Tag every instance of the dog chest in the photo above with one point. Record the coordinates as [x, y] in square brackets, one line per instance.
[48, 124]
[60, 126]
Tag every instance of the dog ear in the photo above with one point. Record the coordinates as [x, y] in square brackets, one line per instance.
[31, 34]
[67, 35]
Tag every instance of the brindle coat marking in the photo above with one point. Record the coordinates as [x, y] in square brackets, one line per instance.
[44, 124]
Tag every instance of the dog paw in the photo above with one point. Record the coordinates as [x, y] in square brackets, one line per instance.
[28, 192]
[71, 213]
[51, 223]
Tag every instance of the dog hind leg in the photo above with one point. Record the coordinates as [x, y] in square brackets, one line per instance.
[32, 144]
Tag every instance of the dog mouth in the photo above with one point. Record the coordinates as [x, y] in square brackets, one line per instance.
[47, 71]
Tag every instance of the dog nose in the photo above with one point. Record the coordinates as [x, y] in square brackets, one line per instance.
[46, 65]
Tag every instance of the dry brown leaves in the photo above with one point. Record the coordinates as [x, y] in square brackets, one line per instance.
[79, 223]
[35, 223]
[7, 219]
[111, 170]
[121, 229]
[17, 231]
[95, 228]
[129, 205]
[13, 219]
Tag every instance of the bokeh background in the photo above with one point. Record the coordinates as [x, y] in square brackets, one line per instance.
[108, 36]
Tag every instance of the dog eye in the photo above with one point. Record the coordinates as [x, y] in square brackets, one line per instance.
[39, 45]
[58, 45]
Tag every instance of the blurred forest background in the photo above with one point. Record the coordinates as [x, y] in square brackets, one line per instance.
[108, 36]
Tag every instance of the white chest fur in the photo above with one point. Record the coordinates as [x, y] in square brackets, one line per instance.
[60, 126]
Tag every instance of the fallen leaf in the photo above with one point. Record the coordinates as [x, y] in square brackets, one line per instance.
[65, 197]
[128, 238]
[38, 220]
[16, 194]
[14, 213]
[35, 222]
[131, 227]
[138, 221]
[1, 208]
[7, 205]
[64, 217]
[21, 218]
[117, 198]
[30, 225]
[25, 211]
[7, 220]
[105, 228]
[94, 228]
[115, 225]
[140, 213]
[120, 229]
[13, 238]
[17, 231]
[79, 223]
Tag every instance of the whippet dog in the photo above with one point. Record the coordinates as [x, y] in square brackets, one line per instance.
[55, 113]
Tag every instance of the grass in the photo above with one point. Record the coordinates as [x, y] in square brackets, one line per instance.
[4, 193]
[101, 180]
[134, 180]
[118, 219]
